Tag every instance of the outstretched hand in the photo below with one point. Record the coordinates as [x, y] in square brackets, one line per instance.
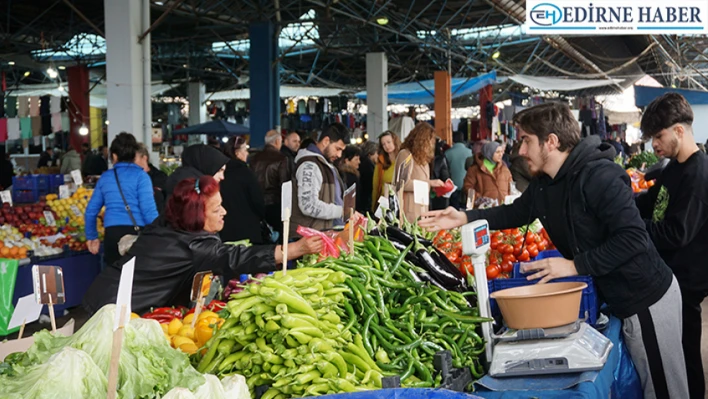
[446, 219]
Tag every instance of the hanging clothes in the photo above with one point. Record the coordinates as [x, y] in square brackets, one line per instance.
[26, 127]
[34, 106]
[13, 128]
[3, 130]
[292, 107]
[301, 107]
[54, 104]
[36, 122]
[22, 106]
[65, 123]
[11, 107]
[311, 106]
[56, 122]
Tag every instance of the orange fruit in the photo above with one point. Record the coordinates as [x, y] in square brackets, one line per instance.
[14, 251]
[4, 252]
[23, 253]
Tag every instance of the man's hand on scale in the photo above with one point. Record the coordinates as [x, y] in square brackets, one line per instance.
[443, 220]
[549, 269]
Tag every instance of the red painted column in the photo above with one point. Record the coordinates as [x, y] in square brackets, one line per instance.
[443, 105]
[485, 97]
[78, 107]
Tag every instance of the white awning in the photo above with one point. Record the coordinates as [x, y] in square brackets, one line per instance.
[561, 84]
[285, 92]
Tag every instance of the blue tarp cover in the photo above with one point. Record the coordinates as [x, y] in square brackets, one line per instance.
[403, 393]
[643, 95]
[424, 92]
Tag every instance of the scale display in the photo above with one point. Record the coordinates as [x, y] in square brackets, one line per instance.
[481, 236]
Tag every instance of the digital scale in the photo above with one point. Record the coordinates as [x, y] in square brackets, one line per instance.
[573, 348]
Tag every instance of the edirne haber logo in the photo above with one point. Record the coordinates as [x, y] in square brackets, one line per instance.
[610, 17]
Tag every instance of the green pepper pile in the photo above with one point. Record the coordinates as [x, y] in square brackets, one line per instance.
[287, 333]
[403, 322]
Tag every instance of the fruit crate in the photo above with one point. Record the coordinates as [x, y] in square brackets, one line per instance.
[42, 182]
[28, 182]
[589, 304]
[54, 182]
[25, 196]
[552, 253]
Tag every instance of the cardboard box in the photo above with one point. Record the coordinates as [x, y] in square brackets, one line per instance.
[21, 345]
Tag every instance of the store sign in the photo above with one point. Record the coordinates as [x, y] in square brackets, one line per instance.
[610, 17]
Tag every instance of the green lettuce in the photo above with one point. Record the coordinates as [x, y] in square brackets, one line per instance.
[148, 366]
[68, 374]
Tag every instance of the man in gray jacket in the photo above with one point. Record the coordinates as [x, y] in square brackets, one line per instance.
[318, 188]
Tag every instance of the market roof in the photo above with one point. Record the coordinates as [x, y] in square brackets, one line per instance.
[323, 43]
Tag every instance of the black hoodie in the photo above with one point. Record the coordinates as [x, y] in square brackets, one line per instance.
[590, 215]
[197, 161]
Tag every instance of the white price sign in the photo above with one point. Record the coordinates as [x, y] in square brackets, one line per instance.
[6, 196]
[77, 212]
[64, 191]
[286, 200]
[76, 176]
[49, 217]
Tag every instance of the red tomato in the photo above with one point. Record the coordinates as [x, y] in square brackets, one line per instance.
[498, 235]
[506, 231]
[466, 267]
[453, 257]
[509, 257]
[457, 246]
[507, 249]
[494, 244]
[542, 245]
[445, 246]
[507, 266]
[493, 271]
[517, 247]
[525, 255]
[533, 250]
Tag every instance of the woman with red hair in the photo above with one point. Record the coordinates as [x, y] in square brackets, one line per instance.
[185, 241]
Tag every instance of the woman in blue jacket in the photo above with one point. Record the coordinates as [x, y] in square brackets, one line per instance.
[126, 212]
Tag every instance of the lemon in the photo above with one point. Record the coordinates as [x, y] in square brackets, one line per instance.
[174, 326]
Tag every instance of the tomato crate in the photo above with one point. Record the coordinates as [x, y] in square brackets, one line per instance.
[551, 253]
[589, 304]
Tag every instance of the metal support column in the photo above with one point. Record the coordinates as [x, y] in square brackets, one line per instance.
[264, 81]
[376, 94]
[79, 113]
[443, 105]
[128, 74]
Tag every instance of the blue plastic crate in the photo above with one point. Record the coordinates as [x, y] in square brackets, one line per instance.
[25, 196]
[589, 305]
[516, 273]
[24, 182]
[56, 180]
[42, 182]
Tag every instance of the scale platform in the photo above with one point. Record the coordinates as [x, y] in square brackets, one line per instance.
[573, 348]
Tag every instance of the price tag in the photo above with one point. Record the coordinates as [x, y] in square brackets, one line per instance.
[48, 285]
[383, 204]
[125, 292]
[26, 311]
[49, 217]
[77, 212]
[201, 285]
[6, 196]
[421, 192]
[286, 203]
[64, 191]
[76, 176]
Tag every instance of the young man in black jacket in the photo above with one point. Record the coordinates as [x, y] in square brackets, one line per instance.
[676, 215]
[585, 203]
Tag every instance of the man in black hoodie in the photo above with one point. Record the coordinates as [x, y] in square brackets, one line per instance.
[676, 215]
[585, 203]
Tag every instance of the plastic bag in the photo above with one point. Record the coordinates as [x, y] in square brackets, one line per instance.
[330, 249]
[341, 239]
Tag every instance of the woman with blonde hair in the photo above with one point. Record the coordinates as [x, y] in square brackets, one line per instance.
[420, 146]
[389, 146]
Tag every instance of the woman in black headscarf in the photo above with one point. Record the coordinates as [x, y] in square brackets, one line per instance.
[197, 161]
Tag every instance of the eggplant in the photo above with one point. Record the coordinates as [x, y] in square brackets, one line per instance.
[376, 233]
[396, 234]
[427, 278]
[436, 270]
[442, 260]
[410, 257]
